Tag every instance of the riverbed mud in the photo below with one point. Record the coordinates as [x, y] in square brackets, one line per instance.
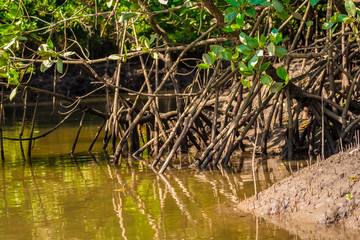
[326, 193]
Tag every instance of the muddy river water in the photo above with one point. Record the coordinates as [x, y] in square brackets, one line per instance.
[56, 195]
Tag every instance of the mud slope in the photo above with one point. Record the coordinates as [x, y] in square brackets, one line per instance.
[326, 193]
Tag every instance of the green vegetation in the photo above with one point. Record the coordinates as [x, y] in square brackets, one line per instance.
[244, 60]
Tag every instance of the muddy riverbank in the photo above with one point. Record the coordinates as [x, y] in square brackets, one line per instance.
[326, 193]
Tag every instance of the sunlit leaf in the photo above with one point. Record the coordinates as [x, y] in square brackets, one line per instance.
[13, 77]
[207, 59]
[109, 3]
[13, 93]
[203, 66]
[253, 62]
[240, 19]
[350, 7]
[242, 66]
[163, 2]
[242, 38]
[271, 49]
[244, 49]
[245, 83]
[49, 44]
[327, 25]
[216, 49]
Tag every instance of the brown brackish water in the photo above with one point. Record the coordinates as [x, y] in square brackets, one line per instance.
[58, 196]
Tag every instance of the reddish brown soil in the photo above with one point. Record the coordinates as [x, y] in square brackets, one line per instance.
[323, 194]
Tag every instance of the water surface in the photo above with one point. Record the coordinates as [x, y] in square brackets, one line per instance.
[55, 195]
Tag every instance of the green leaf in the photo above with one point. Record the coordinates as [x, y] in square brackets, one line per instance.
[327, 25]
[244, 49]
[213, 56]
[281, 72]
[309, 23]
[154, 55]
[287, 79]
[355, 30]
[279, 7]
[283, 15]
[242, 38]
[313, 2]
[207, 59]
[245, 83]
[250, 12]
[49, 44]
[235, 27]
[233, 3]
[235, 56]
[350, 8]
[262, 41]
[260, 2]
[13, 77]
[230, 16]
[334, 28]
[348, 20]
[280, 51]
[216, 49]
[226, 54]
[275, 36]
[256, 2]
[242, 66]
[276, 87]
[352, 39]
[228, 29]
[126, 16]
[266, 79]
[341, 17]
[253, 62]
[21, 38]
[240, 19]
[252, 42]
[13, 93]
[271, 49]
[265, 66]
[59, 65]
[203, 66]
